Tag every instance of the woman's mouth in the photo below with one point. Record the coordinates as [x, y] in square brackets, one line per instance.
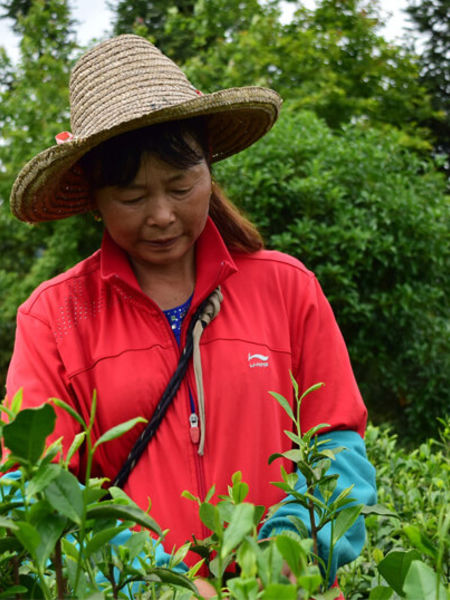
[161, 242]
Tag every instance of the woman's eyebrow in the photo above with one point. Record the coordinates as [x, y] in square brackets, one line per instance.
[136, 185]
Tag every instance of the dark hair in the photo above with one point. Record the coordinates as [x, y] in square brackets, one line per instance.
[117, 161]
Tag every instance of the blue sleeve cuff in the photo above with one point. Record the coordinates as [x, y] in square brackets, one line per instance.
[353, 468]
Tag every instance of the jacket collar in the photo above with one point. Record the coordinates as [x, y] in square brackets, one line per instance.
[213, 263]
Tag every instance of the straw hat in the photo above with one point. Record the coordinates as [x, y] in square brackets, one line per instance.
[123, 84]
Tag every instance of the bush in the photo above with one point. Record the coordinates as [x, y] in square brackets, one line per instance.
[370, 218]
[415, 486]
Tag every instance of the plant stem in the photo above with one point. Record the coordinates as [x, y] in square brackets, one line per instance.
[312, 519]
[57, 561]
[15, 563]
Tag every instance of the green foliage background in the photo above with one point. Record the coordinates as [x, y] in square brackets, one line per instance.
[349, 180]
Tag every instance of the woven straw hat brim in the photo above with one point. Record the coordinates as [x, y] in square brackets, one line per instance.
[51, 186]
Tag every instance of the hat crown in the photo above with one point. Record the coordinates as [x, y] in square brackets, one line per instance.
[120, 80]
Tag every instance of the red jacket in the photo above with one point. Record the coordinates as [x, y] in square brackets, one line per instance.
[92, 328]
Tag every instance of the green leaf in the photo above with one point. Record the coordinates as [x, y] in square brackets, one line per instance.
[310, 582]
[299, 526]
[274, 456]
[17, 400]
[10, 544]
[378, 509]
[136, 543]
[210, 494]
[395, 566]
[172, 578]
[50, 529]
[313, 388]
[344, 520]
[103, 537]
[420, 541]
[294, 455]
[209, 515]
[45, 474]
[279, 591]
[65, 495]
[12, 591]
[246, 557]
[118, 431]
[422, 582]
[189, 496]
[284, 404]
[7, 523]
[240, 491]
[74, 446]
[240, 525]
[243, 588]
[26, 435]
[73, 413]
[70, 550]
[291, 551]
[28, 536]
[293, 437]
[105, 510]
[380, 592]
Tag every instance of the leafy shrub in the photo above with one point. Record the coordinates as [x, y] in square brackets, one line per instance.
[59, 540]
[415, 486]
[370, 218]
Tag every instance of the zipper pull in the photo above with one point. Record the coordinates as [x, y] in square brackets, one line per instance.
[194, 428]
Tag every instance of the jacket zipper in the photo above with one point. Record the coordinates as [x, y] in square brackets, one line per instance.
[194, 432]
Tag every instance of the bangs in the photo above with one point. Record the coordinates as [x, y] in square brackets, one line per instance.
[181, 144]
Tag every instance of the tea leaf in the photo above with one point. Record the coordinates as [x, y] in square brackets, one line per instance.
[77, 441]
[105, 510]
[344, 520]
[173, 578]
[279, 591]
[50, 529]
[12, 591]
[43, 477]
[73, 413]
[422, 582]
[209, 515]
[103, 537]
[240, 525]
[378, 509]
[28, 536]
[65, 495]
[26, 435]
[284, 403]
[291, 551]
[118, 431]
[395, 566]
[380, 592]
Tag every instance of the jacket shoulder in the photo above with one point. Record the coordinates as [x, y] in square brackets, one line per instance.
[78, 279]
[273, 261]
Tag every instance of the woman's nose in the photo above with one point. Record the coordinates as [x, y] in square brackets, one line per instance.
[159, 212]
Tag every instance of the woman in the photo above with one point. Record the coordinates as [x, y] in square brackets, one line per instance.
[140, 157]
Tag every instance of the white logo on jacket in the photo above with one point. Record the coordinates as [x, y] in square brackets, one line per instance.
[257, 360]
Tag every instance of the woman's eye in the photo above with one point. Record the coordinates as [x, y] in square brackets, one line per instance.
[181, 191]
[131, 200]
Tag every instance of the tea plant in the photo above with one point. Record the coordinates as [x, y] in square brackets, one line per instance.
[62, 540]
[56, 537]
[410, 552]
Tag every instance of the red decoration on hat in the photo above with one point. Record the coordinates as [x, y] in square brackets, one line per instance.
[63, 137]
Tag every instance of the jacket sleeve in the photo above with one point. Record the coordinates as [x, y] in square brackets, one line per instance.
[320, 356]
[36, 368]
[353, 468]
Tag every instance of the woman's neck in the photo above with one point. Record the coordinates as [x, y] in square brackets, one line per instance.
[167, 285]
